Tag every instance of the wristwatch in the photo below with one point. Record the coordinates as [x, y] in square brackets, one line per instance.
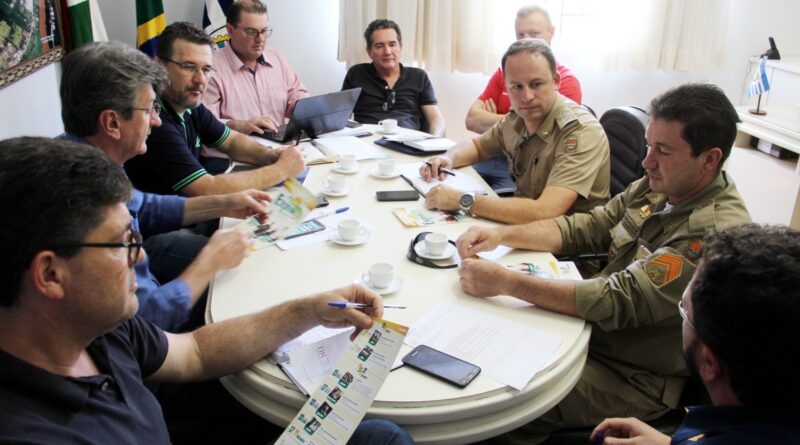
[466, 201]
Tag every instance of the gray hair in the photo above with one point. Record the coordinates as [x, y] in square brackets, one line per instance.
[534, 9]
[104, 76]
[531, 46]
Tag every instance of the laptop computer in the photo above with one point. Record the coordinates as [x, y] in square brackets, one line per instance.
[316, 115]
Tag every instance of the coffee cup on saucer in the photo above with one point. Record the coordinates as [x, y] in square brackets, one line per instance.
[387, 126]
[379, 275]
[336, 183]
[436, 243]
[347, 162]
[386, 167]
[350, 229]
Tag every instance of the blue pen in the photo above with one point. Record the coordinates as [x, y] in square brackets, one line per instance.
[332, 212]
[347, 304]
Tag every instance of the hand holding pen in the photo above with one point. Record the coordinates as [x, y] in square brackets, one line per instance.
[439, 164]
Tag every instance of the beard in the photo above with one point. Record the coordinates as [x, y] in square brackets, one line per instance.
[691, 363]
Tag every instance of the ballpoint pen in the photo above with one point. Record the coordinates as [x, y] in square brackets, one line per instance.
[441, 169]
[331, 212]
[347, 304]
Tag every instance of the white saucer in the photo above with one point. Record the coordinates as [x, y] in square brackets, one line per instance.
[376, 173]
[347, 189]
[359, 239]
[422, 250]
[393, 287]
[382, 131]
[337, 167]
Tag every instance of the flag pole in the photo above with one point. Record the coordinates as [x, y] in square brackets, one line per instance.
[757, 110]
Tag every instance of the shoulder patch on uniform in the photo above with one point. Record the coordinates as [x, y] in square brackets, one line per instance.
[692, 249]
[570, 144]
[664, 268]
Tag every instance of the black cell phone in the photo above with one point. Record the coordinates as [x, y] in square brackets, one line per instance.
[305, 228]
[441, 365]
[397, 195]
[321, 201]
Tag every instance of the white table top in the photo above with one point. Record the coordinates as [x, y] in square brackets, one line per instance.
[432, 411]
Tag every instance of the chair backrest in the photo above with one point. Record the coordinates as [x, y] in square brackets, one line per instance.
[625, 128]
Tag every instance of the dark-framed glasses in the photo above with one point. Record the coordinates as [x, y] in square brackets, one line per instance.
[516, 159]
[133, 244]
[192, 68]
[390, 98]
[252, 32]
[154, 109]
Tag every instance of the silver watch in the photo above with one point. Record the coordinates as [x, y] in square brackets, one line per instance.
[466, 201]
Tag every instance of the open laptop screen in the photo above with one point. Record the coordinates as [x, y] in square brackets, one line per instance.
[319, 114]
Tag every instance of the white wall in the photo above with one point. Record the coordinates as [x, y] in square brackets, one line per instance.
[306, 32]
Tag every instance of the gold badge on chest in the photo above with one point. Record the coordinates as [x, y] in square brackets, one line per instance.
[646, 210]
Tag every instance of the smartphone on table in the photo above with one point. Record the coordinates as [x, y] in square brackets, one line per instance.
[442, 366]
[306, 228]
[397, 195]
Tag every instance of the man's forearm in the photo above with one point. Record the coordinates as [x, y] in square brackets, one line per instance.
[480, 121]
[203, 208]
[261, 179]
[542, 236]
[554, 295]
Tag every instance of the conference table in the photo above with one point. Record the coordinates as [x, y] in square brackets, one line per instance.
[430, 410]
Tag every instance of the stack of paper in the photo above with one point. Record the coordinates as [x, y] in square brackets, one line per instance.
[333, 147]
[460, 181]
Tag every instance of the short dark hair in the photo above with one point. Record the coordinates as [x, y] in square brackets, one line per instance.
[238, 7]
[746, 307]
[104, 76]
[52, 192]
[180, 30]
[531, 46]
[379, 24]
[708, 117]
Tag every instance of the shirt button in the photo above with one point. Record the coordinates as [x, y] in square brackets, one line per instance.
[104, 386]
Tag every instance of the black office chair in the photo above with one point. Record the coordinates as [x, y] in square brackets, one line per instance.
[625, 128]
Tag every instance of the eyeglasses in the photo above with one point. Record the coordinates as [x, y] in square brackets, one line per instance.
[389, 103]
[252, 32]
[191, 68]
[133, 244]
[154, 109]
[684, 315]
[517, 161]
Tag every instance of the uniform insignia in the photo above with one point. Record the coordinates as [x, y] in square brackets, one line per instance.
[692, 251]
[664, 268]
[570, 144]
[645, 211]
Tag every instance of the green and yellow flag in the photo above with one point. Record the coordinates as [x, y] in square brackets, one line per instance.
[85, 23]
[150, 21]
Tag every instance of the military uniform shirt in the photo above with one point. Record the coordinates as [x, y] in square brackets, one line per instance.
[653, 252]
[569, 149]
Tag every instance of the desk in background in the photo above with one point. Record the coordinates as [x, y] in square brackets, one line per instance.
[432, 411]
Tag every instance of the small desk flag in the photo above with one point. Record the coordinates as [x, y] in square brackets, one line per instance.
[214, 20]
[760, 82]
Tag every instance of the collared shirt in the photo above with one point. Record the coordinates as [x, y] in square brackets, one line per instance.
[736, 425]
[653, 253]
[167, 305]
[569, 149]
[236, 92]
[113, 406]
[172, 160]
[496, 88]
[403, 101]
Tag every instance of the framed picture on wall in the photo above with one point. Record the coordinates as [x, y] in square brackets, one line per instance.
[30, 37]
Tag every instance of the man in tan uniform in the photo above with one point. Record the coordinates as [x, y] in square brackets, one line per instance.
[653, 232]
[558, 153]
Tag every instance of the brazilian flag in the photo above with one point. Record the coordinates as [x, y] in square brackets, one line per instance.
[150, 21]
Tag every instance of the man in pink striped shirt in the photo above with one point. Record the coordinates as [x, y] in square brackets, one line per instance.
[253, 89]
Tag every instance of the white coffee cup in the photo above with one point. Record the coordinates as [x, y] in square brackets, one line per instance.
[386, 167]
[436, 243]
[388, 125]
[350, 229]
[347, 162]
[379, 275]
[336, 183]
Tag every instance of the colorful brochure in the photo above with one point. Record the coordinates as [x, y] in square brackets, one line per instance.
[421, 217]
[287, 210]
[334, 410]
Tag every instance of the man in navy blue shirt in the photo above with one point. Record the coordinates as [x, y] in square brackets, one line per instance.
[740, 337]
[73, 353]
[108, 101]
